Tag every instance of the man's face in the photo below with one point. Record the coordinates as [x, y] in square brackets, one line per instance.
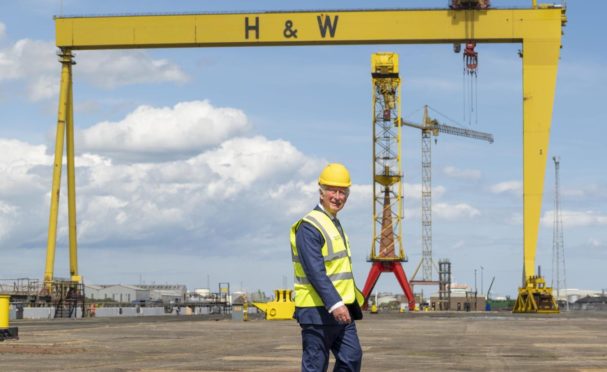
[333, 198]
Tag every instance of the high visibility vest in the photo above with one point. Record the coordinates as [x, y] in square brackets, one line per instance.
[338, 264]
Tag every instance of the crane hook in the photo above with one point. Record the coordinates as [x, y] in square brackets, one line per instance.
[470, 58]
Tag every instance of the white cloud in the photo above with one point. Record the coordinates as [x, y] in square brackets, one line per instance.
[454, 211]
[240, 162]
[466, 174]
[43, 87]
[194, 199]
[185, 127]
[263, 184]
[27, 59]
[17, 167]
[199, 197]
[589, 190]
[24, 184]
[414, 191]
[511, 187]
[595, 243]
[112, 68]
[295, 207]
[444, 211]
[7, 218]
[575, 218]
[35, 62]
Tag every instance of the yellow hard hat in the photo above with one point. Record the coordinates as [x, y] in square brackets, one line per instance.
[335, 174]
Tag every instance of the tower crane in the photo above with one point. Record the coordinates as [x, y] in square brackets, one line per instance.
[431, 127]
[387, 251]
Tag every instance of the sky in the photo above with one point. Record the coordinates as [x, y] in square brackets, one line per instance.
[192, 164]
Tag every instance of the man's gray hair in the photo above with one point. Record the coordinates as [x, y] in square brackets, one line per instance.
[322, 188]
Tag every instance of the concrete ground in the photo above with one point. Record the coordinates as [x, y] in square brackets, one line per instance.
[391, 342]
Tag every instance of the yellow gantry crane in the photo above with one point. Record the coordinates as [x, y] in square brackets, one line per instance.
[538, 29]
[431, 127]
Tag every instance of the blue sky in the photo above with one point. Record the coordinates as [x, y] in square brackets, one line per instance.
[193, 163]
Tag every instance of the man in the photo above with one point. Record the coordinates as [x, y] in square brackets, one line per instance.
[326, 298]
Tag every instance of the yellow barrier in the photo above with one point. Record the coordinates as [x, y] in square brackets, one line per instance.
[4, 312]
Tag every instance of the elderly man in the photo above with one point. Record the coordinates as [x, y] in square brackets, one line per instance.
[326, 298]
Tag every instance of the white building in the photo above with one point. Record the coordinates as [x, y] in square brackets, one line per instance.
[93, 291]
[124, 293]
[166, 293]
[574, 294]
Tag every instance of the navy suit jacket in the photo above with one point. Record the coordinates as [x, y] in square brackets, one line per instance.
[309, 242]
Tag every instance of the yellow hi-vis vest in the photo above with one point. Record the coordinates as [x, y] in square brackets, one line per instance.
[338, 264]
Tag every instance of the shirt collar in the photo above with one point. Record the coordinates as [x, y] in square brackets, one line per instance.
[327, 213]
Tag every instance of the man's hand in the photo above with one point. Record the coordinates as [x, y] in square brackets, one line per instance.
[342, 315]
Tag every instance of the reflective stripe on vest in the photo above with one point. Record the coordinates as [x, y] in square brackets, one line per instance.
[334, 277]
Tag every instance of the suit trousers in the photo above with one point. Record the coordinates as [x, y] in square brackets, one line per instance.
[342, 340]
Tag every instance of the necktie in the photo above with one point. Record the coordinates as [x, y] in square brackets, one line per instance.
[339, 228]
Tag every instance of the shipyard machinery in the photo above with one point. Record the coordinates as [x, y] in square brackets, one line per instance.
[281, 308]
[387, 251]
[538, 29]
[431, 127]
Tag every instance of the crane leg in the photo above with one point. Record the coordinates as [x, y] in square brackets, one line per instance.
[71, 188]
[540, 62]
[66, 80]
[372, 278]
[398, 271]
[395, 267]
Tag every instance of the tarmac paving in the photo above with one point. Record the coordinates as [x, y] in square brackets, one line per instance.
[391, 342]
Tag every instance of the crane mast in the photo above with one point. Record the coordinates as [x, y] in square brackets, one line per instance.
[387, 251]
[387, 166]
[431, 127]
[559, 275]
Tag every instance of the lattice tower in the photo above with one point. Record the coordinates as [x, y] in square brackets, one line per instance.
[387, 169]
[558, 247]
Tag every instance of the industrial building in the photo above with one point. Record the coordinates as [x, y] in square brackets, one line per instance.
[468, 301]
[460, 297]
[166, 293]
[123, 293]
[589, 303]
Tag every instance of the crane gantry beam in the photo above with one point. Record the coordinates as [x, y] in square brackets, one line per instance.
[538, 29]
[399, 26]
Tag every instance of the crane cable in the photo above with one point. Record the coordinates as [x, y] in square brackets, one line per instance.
[470, 85]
